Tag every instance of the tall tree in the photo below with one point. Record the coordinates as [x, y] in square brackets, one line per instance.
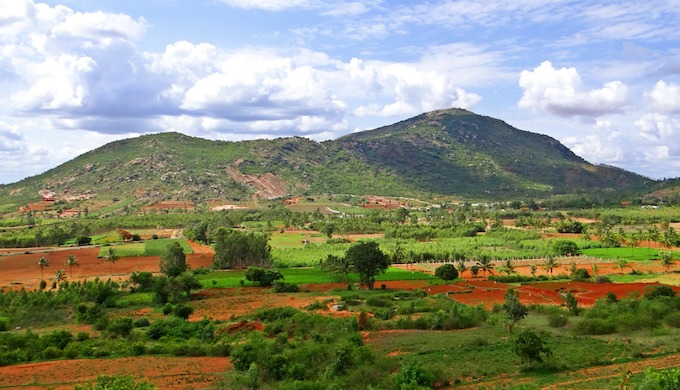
[666, 260]
[42, 264]
[60, 276]
[173, 261]
[484, 263]
[71, 262]
[368, 261]
[461, 266]
[514, 309]
[235, 249]
[550, 264]
[621, 263]
[340, 266]
[110, 257]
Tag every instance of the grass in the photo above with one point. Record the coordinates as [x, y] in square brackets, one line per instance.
[136, 299]
[157, 247]
[632, 254]
[290, 240]
[232, 278]
[146, 248]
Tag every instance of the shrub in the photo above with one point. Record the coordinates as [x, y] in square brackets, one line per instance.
[119, 327]
[4, 324]
[168, 308]
[413, 376]
[564, 248]
[660, 291]
[378, 302]
[282, 287]
[140, 322]
[51, 353]
[602, 279]
[183, 311]
[594, 326]
[446, 272]
[581, 274]
[557, 321]
[673, 319]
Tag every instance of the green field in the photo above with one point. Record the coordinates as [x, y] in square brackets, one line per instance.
[146, 248]
[229, 278]
[632, 254]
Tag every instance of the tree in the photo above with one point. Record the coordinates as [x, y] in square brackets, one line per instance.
[340, 266]
[461, 267]
[484, 263]
[550, 264]
[42, 263]
[71, 262]
[514, 309]
[595, 269]
[530, 347]
[668, 379]
[533, 269]
[509, 267]
[235, 249]
[368, 261]
[666, 260]
[621, 263]
[572, 303]
[446, 272]
[474, 270]
[328, 229]
[564, 248]
[60, 276]
[173, 261]
[111, 258]
[262, 277]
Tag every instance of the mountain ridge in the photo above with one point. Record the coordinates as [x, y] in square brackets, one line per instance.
[445, 152]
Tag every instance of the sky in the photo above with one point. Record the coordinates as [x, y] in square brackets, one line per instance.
[601, 77]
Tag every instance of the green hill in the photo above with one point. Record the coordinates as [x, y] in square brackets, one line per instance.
[447, 152]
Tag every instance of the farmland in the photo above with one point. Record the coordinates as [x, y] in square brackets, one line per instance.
[107, 315]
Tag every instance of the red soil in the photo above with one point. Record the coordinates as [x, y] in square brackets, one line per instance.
[166, 372]
[20, 270]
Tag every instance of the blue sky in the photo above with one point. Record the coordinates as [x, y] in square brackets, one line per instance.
[601, 77]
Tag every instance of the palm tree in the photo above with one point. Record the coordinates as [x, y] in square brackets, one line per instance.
[621, 263]
[585, 233]
[461, 267]
[595, 269]
[71, 262]
[509, 267]
[42, 263]
[60, 276]
[533, 269]
[111, 258]
[667, 260]
[484, 263]
[550, 264]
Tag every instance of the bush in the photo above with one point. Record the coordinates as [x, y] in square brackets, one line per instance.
[4, 324]
[602, 279]
[564, 248]
[412, 376]
[557, 321]
[660, 291]
[140, 322]
[581, 274]
[119, 327]
[378, 302]
[168, 308]
[281, 287]
[673, 320]
[446, 272]
[183, 311]
[594, 326]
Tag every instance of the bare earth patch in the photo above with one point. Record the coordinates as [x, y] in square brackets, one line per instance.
[166, 372]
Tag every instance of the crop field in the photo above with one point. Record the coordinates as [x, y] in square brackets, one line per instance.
[146, 248]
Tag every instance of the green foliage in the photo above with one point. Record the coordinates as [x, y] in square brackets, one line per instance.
[368, 261]
[262, 277]
[660, 291]
[413, 376]
[514, 309]
[282, 287]
[173, 260]
[183, 311]
[564, 248]
[668, 379]
[446, 272]
[530, 347]
[235, 249]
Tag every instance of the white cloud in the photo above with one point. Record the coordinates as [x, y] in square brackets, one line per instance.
[664, 97]
[562, 92]
[594, 149]
[413, 91]
[268, 5]
[59, 84]
[659, 127]
[100, 29]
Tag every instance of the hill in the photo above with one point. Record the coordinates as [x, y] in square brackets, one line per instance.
[446, 152]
